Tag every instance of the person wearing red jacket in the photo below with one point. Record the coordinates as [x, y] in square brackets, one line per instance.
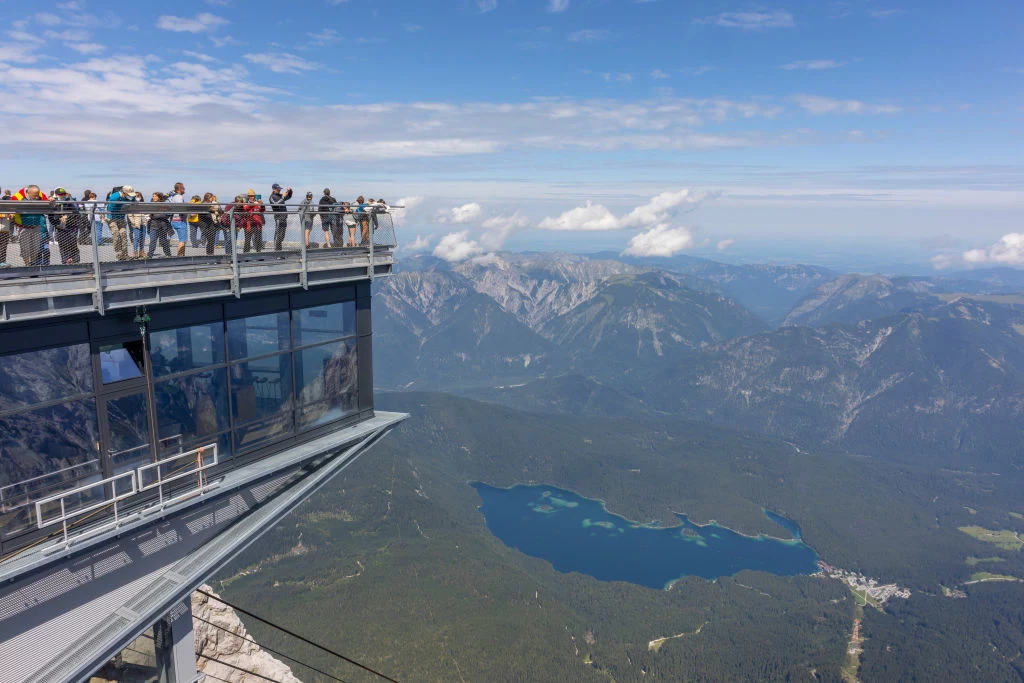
[252, 222]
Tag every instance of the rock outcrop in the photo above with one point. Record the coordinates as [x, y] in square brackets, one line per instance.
[229, 642]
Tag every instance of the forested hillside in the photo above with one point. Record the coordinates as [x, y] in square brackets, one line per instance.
[394, 565]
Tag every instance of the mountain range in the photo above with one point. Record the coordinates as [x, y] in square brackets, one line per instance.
[918, 369]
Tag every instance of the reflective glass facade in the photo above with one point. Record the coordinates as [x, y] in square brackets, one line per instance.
[253, 375]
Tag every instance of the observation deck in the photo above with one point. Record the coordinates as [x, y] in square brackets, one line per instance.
[163, 402]
[83, 266]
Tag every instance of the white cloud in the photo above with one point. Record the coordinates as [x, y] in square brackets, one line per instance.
[589, 217]
[942, 262]
[19, 53]
[68, 35]
[202, 23]
[281, 62]
[812, 65]
[324, 37]
[516, 220]
[419, 244]
[201, 56]
[1009, 250]
[47, 19]
[558, 5]
[588, 35]
[460, 214]
[456, 246]
[725, 244]
[817, 105]
[661, 240]
[498, 228]
[658, 74]
[411, 204]
[87, 48]
[975, 256]
[486, 5]
[750, 20]
[660, 207]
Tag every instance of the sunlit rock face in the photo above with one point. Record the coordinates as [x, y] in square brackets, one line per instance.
[229, 642]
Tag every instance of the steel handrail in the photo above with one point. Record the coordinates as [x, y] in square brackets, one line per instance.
[202, 484]
[65, 515]
[3, 503]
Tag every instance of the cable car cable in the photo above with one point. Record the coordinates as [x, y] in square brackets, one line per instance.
[296, 635]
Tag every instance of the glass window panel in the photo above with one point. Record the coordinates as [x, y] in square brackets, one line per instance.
[190, 407]
[321, 413]
[258, 335]
[46, 375]
[324, 323]
[121, 361]
[261, 388]
[44, 452]
[263, 432]
[326, 371]
[128, 426]
[187, 348]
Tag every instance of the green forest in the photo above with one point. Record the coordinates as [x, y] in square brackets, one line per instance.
[393, 565]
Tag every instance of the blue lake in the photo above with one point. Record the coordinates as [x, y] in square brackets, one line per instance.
[577, 534]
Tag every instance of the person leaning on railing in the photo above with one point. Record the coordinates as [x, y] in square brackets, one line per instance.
[208, 224]
[252, 222]
[117, 221]
[65, 226]
[159, 225]
[6, 221]
[306, 213]
[327, 216]
[32, 235]
[138, 224]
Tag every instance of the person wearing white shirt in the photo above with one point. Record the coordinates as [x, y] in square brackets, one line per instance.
[178, 219]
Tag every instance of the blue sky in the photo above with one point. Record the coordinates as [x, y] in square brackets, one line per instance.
[784, 130]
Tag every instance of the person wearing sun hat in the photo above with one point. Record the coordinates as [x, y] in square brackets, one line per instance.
[252, 222]
[65, 226]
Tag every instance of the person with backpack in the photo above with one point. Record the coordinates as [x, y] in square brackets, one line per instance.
[278, 197]
[208, 222]
[117, 220]
[65, 226]
[327, 203]
[159, 225]
[306, 212]
[33, 238]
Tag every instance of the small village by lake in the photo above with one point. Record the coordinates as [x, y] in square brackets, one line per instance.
[577, 534]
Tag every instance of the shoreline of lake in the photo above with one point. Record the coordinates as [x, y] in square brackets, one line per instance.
[580, 534]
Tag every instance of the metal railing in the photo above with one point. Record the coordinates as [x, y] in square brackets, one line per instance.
[61, 257]
[156, 476]
[194, 457]
[20, 494]
[51, 233]
[110, 497]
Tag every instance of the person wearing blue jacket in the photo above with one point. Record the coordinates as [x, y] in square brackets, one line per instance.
[117, 221]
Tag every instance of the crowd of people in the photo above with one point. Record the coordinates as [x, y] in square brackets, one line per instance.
[78, 222]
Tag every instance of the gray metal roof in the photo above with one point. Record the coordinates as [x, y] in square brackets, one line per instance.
[63, 615]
